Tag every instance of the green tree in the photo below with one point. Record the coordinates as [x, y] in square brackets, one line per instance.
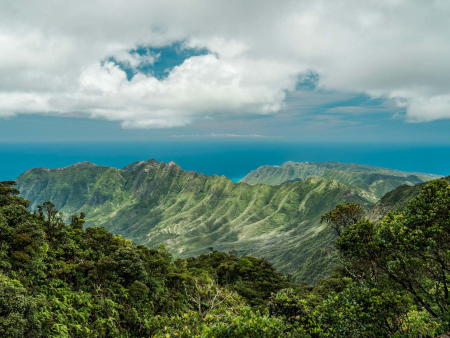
[17, 311]
[342, 216]
[8, 195]
[411, 249]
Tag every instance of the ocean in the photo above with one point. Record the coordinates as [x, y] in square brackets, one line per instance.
[233, 159]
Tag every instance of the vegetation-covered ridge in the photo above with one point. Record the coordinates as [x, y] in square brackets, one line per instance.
[375, 180]
[155, 203]
[395, 201]
[61, 280]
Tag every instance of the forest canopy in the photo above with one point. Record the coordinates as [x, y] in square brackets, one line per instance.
[61, 279]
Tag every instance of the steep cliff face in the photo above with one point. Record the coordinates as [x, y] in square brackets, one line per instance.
[155, 203]
[375, 181]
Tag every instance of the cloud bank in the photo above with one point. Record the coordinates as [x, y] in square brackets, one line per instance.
[56, 56]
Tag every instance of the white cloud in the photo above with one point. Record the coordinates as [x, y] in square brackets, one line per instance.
[423, 109]
[134, 60]
[52, 57]
[201, 86]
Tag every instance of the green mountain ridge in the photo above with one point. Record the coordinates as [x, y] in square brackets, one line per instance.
[395, 201]
[156, 203]
[375, 181]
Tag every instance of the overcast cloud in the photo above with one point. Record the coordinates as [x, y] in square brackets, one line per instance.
[54, 56]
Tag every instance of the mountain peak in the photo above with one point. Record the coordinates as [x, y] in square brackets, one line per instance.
[172, 164]
[152, 161]
[134, 165]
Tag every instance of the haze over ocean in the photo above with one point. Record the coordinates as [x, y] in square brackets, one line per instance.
[232, 159]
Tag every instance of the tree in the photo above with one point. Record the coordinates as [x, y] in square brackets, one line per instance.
[292, 307]
[130, 266]
[8, 195]
[342, 216]
[17, 311]
[411, 249]
[76, 221]
[54, 219]
[207, 295]
[364, 309]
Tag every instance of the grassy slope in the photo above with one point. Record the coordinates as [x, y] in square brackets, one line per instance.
[154, 203]
[375, 180]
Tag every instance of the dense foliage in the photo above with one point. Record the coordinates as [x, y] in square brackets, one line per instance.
[394, 276]
[65, 280]
[61, 280]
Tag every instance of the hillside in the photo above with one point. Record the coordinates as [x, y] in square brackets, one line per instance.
[375, 180]
[155, 203]
[394, 201]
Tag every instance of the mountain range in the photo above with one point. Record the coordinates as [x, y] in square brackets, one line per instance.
[155, 203]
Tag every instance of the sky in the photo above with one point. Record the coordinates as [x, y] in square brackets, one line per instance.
[346, 71]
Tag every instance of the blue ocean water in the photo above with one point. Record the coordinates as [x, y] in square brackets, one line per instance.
[232, 159]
